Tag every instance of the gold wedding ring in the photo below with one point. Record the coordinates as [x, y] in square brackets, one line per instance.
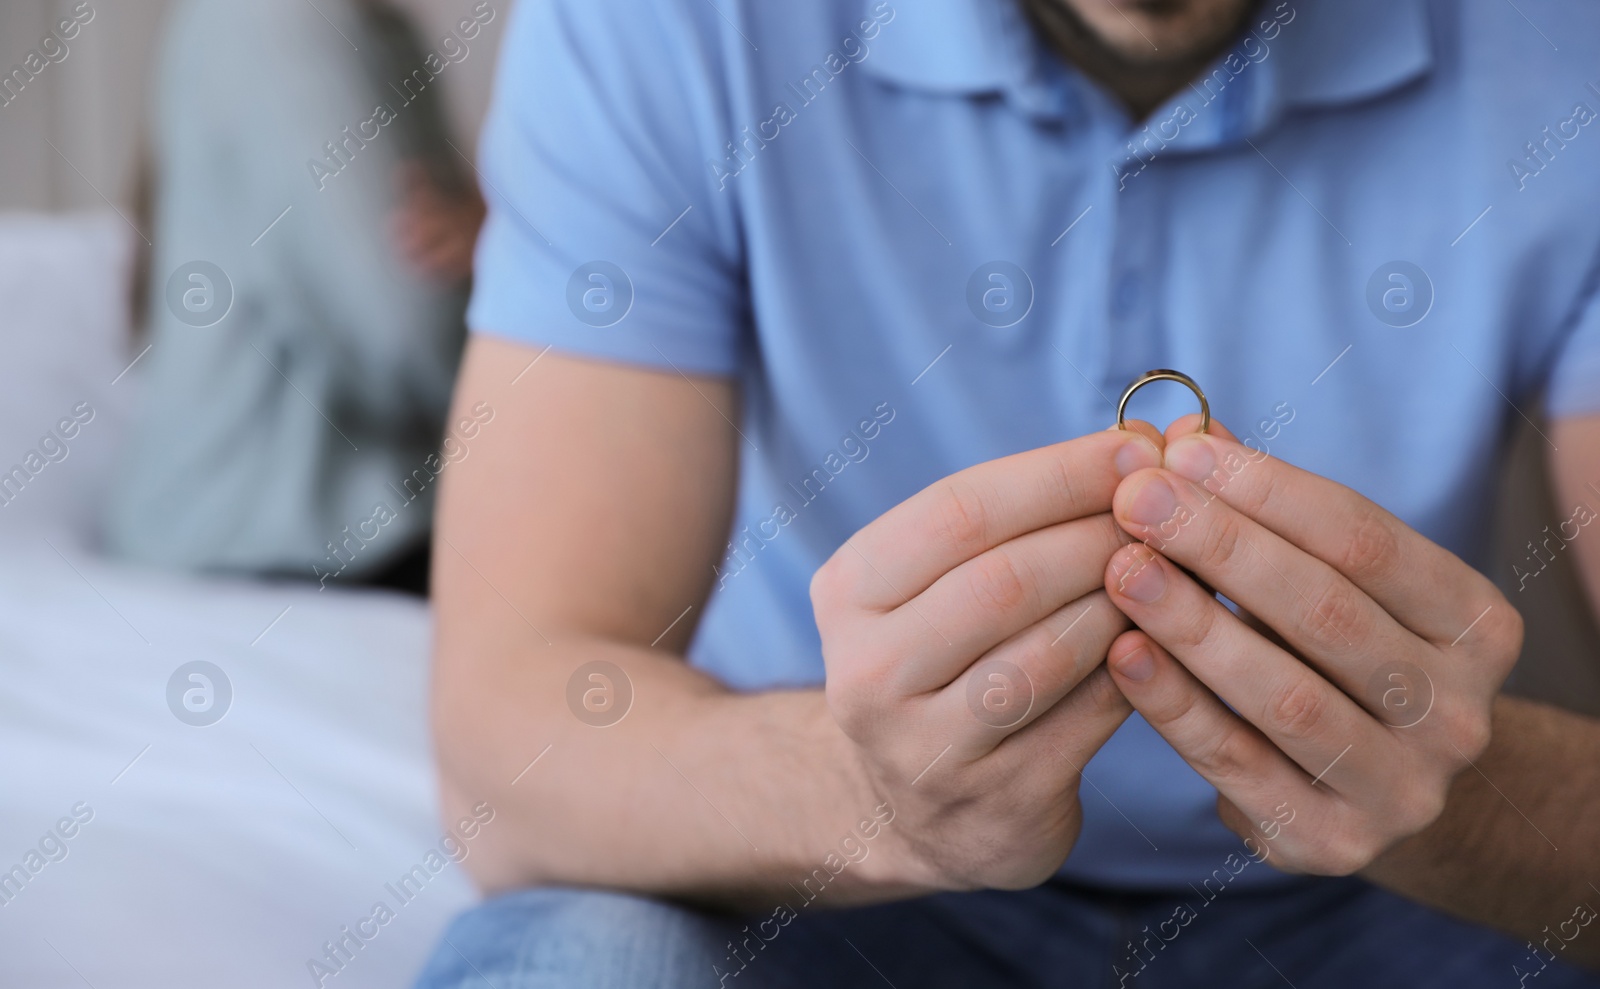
[1164, 374]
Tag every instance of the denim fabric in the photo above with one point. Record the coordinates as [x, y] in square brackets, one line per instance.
[1316, 934]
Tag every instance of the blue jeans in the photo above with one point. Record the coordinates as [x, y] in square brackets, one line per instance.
[1311, 934]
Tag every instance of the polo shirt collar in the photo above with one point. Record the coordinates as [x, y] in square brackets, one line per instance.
[1345, 51]
[965, 48]
[1327, 52]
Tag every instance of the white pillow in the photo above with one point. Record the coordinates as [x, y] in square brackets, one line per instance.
[64, 338]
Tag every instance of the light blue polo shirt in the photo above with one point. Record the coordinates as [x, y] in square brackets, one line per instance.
[920, 242]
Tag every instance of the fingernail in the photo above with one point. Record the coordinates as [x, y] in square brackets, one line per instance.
[1136, 454]
[1191, 457]
[1153, 502]
[1138, 665]
[1143, 580]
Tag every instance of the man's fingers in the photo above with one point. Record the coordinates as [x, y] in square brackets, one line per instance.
[1145, 429]
[1235, 757]
[986, 600]
[1312, 721]
[1263, 796]
[1323, 616]
[902, 552]
[1065, 737]
[1424, 586]
[1022, 679]
[1189, 424]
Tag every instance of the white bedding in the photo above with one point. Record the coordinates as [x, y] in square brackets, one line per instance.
[222, 856]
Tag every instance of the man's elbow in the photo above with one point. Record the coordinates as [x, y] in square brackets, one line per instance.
[476, 782]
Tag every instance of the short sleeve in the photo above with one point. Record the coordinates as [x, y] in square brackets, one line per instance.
[1574, 384]
[605, 237]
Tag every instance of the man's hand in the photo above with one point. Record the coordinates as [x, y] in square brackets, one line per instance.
[964, 633]
[1369, 687]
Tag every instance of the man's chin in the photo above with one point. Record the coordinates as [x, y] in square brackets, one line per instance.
[1154, 33]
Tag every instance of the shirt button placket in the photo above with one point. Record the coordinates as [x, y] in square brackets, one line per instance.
[1133, 337]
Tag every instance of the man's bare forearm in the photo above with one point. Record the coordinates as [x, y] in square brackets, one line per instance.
[1518, 846]
[696, 793]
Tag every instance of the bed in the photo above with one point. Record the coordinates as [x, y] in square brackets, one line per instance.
[207, 782]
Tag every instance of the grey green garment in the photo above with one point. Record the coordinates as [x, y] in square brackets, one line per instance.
[268, 439]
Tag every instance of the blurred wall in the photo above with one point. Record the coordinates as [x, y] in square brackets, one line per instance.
[91, 105]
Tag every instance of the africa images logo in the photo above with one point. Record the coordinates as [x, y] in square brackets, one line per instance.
[199, 693]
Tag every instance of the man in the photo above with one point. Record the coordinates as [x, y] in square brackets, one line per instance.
[839, 299]
[312, 243]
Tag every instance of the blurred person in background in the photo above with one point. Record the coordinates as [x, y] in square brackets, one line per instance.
[312, 246]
